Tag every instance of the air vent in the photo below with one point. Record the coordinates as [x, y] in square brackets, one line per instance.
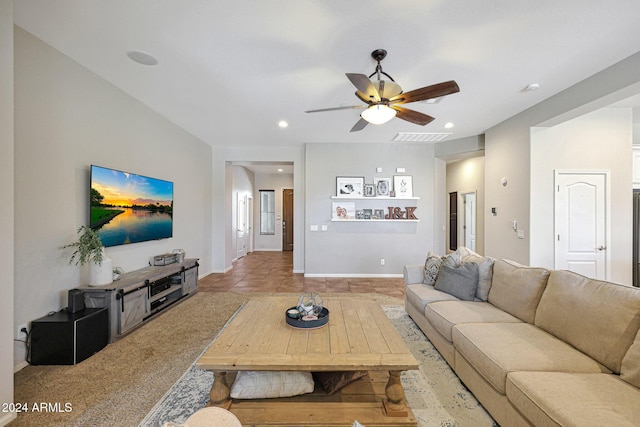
[421, 136]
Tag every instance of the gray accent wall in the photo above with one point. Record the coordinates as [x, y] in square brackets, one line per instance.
[356, 248]
[6, 207]
[67, 118]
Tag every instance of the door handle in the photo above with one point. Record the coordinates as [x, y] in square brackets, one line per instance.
[602, 248]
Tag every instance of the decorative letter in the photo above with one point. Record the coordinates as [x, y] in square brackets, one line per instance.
[410, 210]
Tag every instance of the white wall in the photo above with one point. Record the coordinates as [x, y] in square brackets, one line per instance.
[67, 118]
[598, 140]
[508, 146]
[355, 248]
[465, 176]
[6, 207]
[276, 182]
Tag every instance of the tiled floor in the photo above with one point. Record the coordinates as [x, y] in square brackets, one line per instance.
[272, 272]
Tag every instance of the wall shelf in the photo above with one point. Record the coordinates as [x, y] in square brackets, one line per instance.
[375, 220]
[374, 198]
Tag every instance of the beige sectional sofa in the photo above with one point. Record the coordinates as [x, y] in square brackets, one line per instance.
[546, 348]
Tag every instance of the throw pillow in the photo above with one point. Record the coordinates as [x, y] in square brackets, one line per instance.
[464, 252]
[431, 268]
[460, 282]
[334, 381]
[267, 384]
[452, 260]
[485, 273]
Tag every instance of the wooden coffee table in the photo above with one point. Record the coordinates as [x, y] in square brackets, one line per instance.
[358, 336]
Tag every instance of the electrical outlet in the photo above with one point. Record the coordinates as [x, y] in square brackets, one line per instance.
[22, 335]
[381, 261]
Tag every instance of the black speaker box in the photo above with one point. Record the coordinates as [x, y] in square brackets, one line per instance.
[76, 301]
[66, 338]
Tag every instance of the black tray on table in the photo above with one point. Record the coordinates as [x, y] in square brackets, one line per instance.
[323, 319]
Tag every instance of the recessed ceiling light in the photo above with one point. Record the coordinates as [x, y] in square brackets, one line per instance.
[280, 170]
[448, 125]
[532, 87]
[142, 57]
[283, 124]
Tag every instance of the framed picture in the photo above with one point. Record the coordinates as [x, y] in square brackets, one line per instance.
[360, 214]
[369, 190]
[349, 186]
[378, 214]
[368, 213]
[383, 186]
[346, 210]
[403, 185]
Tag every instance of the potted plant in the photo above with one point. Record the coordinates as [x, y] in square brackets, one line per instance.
[90, 250]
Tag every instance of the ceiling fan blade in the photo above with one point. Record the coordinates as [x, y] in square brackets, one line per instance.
[412, 116]
[360, 124]
[434, 91]
[350, 107]
[364, 86]
[363, 98]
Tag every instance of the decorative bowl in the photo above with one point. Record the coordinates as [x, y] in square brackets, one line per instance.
[321, 319]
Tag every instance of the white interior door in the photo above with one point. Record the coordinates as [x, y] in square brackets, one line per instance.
[581, 216]
[241, 225]
[469, 201]
[250, 227]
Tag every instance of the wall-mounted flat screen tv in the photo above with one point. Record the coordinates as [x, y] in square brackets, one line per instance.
[129, 208]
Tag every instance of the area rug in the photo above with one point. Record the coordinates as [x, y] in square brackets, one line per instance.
[434, 392]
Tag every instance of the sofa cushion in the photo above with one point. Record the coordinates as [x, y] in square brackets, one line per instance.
[573, 399]
[419, 295]
[485, 274]
[598, 318]
[495, 349]
[431, 268]
[630, 370]
[517, 289]
[444, 315]
[460, 281]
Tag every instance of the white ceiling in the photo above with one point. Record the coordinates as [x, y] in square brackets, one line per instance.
[230, 70]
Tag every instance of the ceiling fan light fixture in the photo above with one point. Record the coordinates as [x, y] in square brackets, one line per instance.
[390, 90]
[378, 114]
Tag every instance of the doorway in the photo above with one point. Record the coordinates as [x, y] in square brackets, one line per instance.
[287, 219]
[581, 222]
[453, 221]
[241, 226]
[469, 222]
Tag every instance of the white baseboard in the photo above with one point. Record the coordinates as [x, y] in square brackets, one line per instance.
[7, 417]
[373, 276]
[20, 366]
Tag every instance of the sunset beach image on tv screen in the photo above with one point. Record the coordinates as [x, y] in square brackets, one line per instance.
[129, 208]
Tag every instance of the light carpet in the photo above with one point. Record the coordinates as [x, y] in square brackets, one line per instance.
[434, 392]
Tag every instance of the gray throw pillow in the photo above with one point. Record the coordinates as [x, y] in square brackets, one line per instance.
[461, 282]
[485, 274]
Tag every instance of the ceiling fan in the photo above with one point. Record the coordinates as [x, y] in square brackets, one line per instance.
[384, 97]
